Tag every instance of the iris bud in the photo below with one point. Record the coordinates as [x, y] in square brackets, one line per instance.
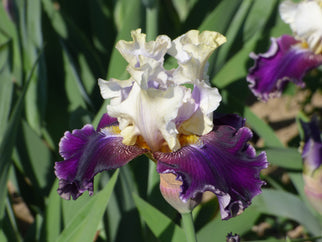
[170, 189]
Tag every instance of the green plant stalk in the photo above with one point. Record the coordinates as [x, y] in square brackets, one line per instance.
[188, 227]
[153, 178]
[152, 21]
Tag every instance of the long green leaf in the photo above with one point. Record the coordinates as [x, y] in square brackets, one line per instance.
[31, 41]
[55, 17]
[219, 229]
[84, 224]
[8, 141]
[257, 18]
[288, 158]
[8, 28]
[161, 226]
[6, 87]
[6, 24]
[53, 214]
[100, 13]
[232, 32]
[40, 159]
[237, 63]
[121, 210]
[283, 204]
[220, 18]
[75, 90]
[262, 129]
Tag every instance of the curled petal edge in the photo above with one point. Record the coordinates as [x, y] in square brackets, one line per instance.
[221, 162]
[285, 61]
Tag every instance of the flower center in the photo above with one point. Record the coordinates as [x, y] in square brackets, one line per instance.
[183, 139]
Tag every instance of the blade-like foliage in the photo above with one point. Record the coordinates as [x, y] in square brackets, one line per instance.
[162, 227]
[284, 204]
[8, 141]
[83, 226]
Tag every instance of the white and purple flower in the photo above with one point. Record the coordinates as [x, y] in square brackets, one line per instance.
[167, 115]
[290, 57]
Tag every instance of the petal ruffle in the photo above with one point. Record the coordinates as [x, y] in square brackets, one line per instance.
[285, 61]
[221, 162]
[151, 87]
[131, 50]
[192, 51]
[86, 153]
[207, 100]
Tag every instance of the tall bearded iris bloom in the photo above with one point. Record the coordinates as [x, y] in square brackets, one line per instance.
[289, 57]
[167, 115]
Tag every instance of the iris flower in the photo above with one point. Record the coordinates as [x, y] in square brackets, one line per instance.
[289, 57]
[312, 163]
[168, 116]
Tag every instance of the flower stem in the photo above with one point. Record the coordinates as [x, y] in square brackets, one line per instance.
[189, 229]
[152, 20]
[153, 178]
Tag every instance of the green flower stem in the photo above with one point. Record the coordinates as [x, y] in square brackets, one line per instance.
[153, 178]
[189, 229]
[152, 21]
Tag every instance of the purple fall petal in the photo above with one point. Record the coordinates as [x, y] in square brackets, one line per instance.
[284, 61]
[86, 153]
[223, 163]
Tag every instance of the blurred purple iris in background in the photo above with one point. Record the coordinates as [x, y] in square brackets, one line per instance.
[290, 57]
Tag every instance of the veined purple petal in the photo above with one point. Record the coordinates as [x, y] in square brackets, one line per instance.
[223, 163]
[284, 61]
[86, 153]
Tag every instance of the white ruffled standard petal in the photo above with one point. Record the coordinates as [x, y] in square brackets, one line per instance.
[192, 51]
[156, 104]
[131, 50]
[207, 100]
[115, 90]
[151, 114]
